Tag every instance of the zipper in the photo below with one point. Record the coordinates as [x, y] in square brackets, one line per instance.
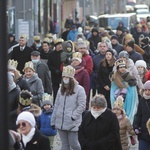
[63, 112]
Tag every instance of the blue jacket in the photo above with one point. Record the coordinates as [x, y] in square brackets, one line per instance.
[44, 123]
[72, 35]
[135, 56]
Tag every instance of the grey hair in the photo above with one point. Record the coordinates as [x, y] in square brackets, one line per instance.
[99, 101]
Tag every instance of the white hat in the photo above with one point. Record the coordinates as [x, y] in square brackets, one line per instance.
[68, 71]
[26, 116]
[141, 63]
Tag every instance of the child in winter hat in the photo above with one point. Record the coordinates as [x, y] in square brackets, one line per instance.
[44, 120]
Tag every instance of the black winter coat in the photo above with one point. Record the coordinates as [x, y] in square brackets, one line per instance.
[21, 56]
[101, 133]
[118, 47]
[135, 56]
[38, 142]
[54, 63]
[141, 118]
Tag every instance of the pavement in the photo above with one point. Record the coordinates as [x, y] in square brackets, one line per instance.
[57, 144]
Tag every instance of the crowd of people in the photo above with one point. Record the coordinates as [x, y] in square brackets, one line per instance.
[91, 86]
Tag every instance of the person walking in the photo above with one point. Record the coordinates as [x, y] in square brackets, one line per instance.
[69, 106]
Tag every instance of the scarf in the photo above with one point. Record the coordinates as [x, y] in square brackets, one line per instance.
[96, 114]
[28, 137]
[145, 96]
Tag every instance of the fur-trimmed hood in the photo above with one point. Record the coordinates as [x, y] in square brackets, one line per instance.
[35, 110]
[148, 125]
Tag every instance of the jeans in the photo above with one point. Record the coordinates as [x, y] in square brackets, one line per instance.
[144, 145]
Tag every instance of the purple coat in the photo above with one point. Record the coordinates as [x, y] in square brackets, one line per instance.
[82, 76]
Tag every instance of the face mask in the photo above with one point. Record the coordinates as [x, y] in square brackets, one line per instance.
[38, 45]
[35, 61]
[96, 114]
[66, 81]
[119, 117]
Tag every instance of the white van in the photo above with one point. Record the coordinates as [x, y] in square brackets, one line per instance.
[128, 19]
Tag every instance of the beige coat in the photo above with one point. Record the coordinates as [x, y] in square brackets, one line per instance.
[125, 127]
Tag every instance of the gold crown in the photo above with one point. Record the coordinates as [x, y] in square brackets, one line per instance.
[46, 96]
[12, 64]
[49, 35]
[58, 40]
[87, 28]
[119, 102]
[46, 40]
[77, 55]
[68, 71]
[24, 36]
[36, 38]
[30, 65]
[24, 102]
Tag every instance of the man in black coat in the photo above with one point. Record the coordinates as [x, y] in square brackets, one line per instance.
[99, 129]
[21, 53]
[115, 44]
[132, 53]
[54, 64]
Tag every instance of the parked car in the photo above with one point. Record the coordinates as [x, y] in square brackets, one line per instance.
[142, 14]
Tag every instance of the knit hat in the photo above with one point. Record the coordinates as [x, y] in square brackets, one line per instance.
[30, 65]
[26, 116]
[119, 28]
[46, 99]
[110, 52]
[12, 64]
[68, 71]
[77, 56]
[130, 44]
[141, 63]
[124, 54]
[119, 103]
[81, 44]
[25, 98]
[120, 63]
[114, 37]
[80, 30]
[147, 85]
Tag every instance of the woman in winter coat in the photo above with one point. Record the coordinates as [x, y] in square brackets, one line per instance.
[141, 118]
[34, 82]
[69, 106]
[31, 138]
[106, 67]
[124, 122]
[99, 129]
[81, 74]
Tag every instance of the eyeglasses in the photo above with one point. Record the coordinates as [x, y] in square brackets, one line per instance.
[23, 124]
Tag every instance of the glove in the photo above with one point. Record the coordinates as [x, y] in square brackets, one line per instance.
[53, 127]
[137, 131]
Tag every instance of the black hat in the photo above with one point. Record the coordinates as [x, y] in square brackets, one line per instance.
[94, 30]
[110, 52]
[120, 28]
[131, 44]
[114, 37]
[35, 53]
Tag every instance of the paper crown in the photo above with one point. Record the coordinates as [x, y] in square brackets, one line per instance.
[68, 71]
[12, 64]
[77, 55]
[46, 40]
[49, 35]
[30, 65]
[58, 40]
[25, 101]
[46, 96]
[119, 103]
[37, 38]
[87, 28]
[120, 63]
[24, 36]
